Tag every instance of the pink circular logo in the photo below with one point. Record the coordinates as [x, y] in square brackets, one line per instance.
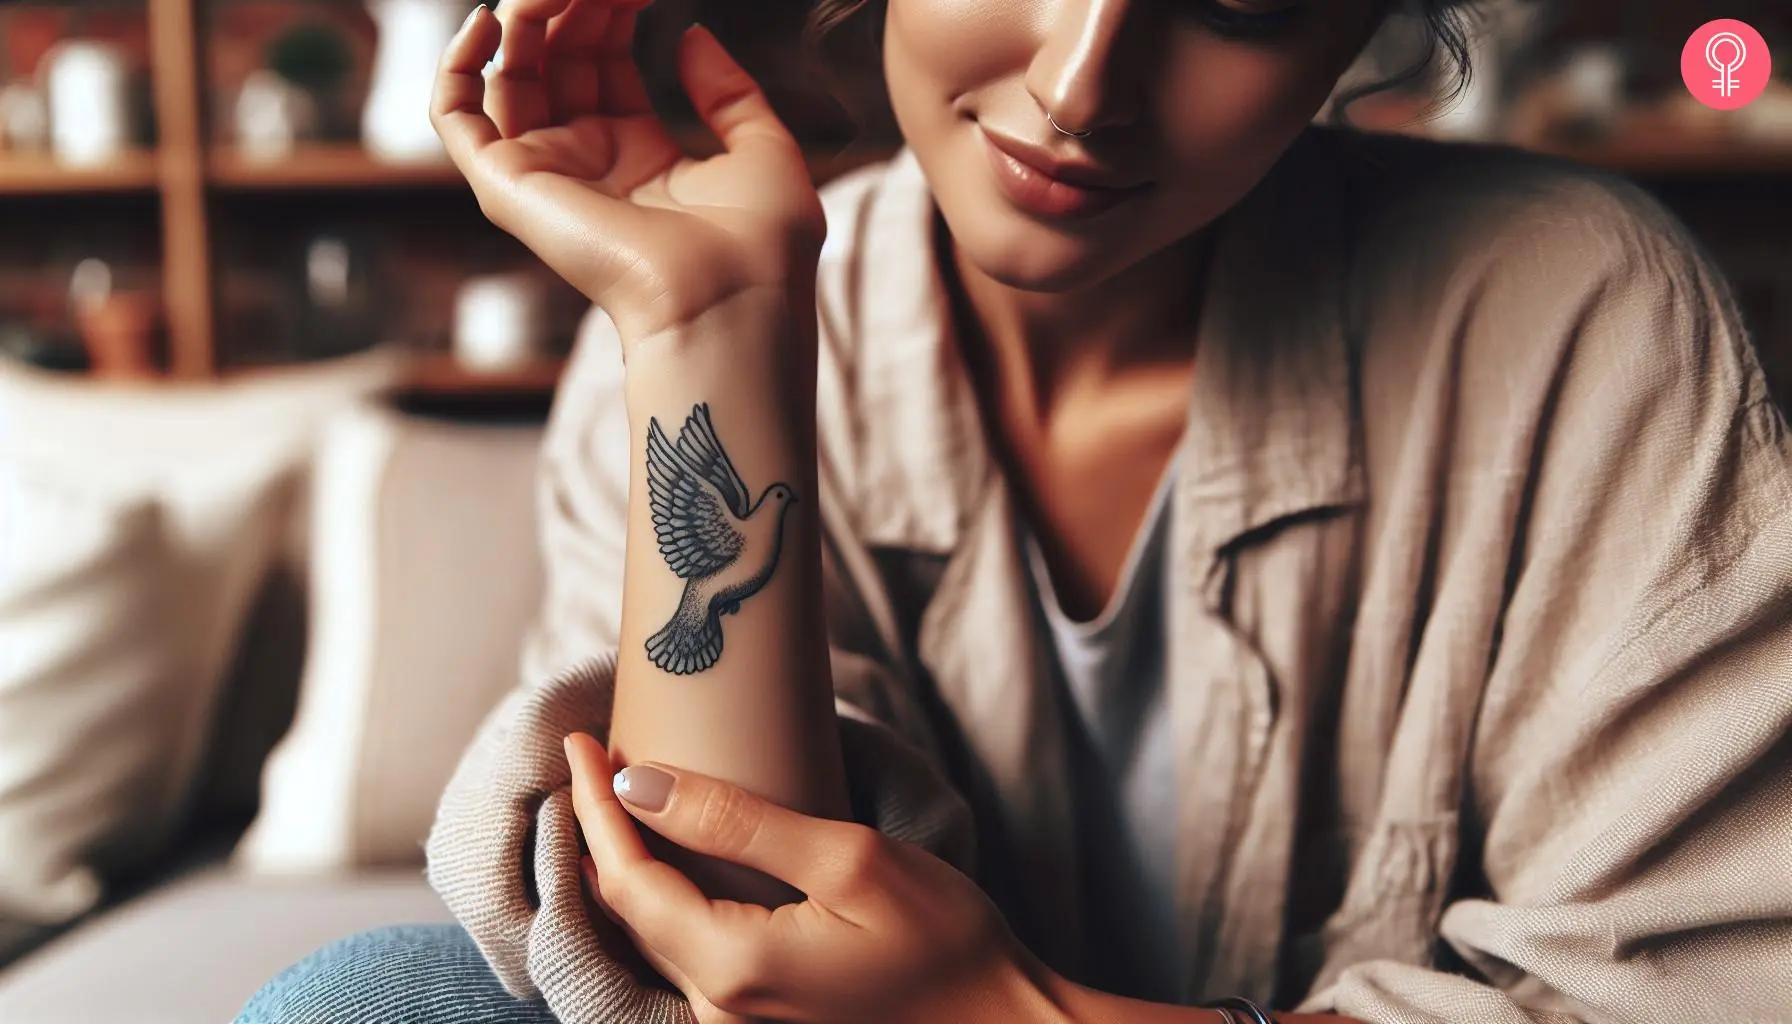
[1726, 64]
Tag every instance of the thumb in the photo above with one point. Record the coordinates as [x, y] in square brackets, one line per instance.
[722, 820]
[725, 96]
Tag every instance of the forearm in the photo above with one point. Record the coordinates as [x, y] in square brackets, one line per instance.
[758, 711]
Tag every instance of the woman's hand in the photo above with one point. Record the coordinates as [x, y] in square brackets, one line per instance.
[888, 932]
[564, 152]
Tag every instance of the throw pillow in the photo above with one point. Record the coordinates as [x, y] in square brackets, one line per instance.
[85, 583]
[424, 578]
[218, 465]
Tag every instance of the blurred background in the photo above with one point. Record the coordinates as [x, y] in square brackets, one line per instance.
[195, 187]
[271, 404]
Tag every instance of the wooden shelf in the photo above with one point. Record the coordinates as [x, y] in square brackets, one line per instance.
[347, 166]
[442, 377]
[41, 174]
[336, 166]
[1650, 155]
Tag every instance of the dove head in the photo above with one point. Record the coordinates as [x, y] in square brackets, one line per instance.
[778, 496]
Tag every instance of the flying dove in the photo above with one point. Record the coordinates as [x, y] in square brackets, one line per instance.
[722, 545]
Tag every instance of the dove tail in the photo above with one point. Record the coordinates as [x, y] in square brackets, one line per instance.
[692, 641]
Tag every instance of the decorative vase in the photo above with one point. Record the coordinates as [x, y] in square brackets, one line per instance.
[412, 35]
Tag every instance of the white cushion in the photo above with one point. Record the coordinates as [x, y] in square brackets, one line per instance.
[194, 951]
[196, 482]
[84, 584]
[424, 577]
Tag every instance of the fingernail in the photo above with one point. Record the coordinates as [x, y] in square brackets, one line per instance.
[572, 754]
[496, 64]
[472, 16]
[644, 786]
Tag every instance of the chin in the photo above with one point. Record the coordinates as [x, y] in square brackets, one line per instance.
[1028, 272]
[1010, 248]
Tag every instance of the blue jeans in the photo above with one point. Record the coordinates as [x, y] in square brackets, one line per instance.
[409, 974]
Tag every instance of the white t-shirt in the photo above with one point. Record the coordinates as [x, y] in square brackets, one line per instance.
[1111, 671]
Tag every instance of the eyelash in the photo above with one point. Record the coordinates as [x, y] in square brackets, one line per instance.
[1230, 21]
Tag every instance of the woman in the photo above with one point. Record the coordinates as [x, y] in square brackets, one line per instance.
[1338, 572]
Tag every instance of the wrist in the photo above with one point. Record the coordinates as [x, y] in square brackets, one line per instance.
[752, 353]
[1024, 991]
[755, 325]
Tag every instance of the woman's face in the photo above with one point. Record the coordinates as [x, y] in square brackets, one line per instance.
[1187, 104]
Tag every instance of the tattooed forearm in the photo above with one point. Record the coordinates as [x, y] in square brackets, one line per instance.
[713, 535]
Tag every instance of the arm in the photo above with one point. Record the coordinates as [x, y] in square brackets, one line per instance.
[761, 714]
[656, 241]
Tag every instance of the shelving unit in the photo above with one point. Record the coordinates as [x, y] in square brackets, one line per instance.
[186, 176]
[1646, 155]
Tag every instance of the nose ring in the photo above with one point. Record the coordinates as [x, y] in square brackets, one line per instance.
[1075, 135]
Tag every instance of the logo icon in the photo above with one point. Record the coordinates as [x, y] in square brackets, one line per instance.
[1726, 64]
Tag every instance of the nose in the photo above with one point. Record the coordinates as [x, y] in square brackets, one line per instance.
[1084, 76]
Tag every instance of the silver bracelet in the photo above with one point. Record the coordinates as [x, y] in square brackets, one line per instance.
[1257, 1014]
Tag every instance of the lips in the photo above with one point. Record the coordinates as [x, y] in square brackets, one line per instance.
[1052, 188]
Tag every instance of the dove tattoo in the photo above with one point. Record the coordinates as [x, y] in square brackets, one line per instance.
[713, 536]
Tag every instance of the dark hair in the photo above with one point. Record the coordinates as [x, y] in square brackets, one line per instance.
[835, 36]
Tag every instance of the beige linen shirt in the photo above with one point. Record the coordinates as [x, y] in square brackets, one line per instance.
[1480, 654]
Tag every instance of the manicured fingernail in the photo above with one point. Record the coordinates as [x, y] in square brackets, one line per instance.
[644, 786]
[472, 16]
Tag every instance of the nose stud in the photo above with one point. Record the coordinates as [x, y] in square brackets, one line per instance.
[1062, 130]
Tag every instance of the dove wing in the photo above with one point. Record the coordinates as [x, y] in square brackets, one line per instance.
[690, 517]
[698, 443]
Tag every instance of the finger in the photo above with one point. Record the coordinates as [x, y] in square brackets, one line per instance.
[709, 816]
[653, 959]
[590, 63]
[725, 96]
[588, 872]
[574, 79]
[516, 97]
[624, 90]
[456, 106]
[656, 903]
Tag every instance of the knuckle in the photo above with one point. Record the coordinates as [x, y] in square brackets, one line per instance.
[613, 891]
[729, 819]
[734, 981]
[859, 860]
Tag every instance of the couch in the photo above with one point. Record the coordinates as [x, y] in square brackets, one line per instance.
[245, 630]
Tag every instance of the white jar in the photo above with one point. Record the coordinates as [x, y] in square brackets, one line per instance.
[87, 84]
[500, 322]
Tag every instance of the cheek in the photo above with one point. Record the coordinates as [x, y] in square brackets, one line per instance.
[1225, 112]
[939, 50]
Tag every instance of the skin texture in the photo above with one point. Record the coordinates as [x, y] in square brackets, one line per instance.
[1079, 335]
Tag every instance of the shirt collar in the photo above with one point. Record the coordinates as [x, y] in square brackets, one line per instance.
[1272, 427]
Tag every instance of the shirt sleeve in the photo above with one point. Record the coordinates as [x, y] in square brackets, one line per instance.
[504, 850]
[1629, 852]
